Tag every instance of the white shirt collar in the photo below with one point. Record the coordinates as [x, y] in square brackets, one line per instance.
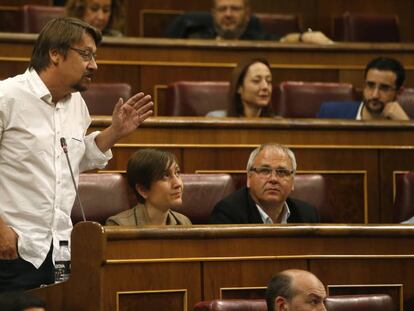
[359, 113]
[40, 89]
[38, 86]
[267, 220]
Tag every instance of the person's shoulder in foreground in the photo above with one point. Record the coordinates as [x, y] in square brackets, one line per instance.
[21, 301]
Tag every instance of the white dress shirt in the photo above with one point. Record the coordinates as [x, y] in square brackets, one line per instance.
[266, 218]
[36, 190]
[359, 112]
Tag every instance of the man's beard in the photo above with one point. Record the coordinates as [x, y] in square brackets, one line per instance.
[81, 86]
[231, 34]
[376, 109]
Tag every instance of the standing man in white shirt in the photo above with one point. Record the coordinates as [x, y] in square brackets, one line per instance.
[37, 109]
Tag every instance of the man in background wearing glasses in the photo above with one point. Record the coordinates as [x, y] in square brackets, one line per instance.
[384, 78]
[270, 180]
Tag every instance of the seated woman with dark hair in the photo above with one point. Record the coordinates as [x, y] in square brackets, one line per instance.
[154, 176]
[250, 91]
[105, 15]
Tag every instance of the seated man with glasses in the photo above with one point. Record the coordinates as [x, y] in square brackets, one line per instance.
[270, 179]
[384, 78]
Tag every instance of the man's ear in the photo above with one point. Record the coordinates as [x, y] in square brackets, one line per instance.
[55, 56]
[142, 190]
[281, 304]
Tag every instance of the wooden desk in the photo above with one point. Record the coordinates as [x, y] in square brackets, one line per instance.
[171, 268]
[150, 64]
[373, 151]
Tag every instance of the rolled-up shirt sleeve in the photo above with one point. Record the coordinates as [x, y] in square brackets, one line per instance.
[94, 157]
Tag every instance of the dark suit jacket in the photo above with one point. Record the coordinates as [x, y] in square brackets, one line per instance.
[239, 208]
[200, 25]
[339, 110]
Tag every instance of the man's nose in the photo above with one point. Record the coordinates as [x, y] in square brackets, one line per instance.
[101, 14]
[375, 92]
[228, 11]
[92, 64]
[273, 176]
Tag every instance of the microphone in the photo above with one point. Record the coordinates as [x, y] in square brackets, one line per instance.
[65, 150]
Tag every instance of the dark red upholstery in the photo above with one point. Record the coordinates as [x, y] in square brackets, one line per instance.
[311, 188]
[404, 197]
[362, 27]
[279, 24]
[201, 193]
[34, 17]
[232, 305]
[196, 98]
[406, 99]
[102, 196]
[102, 97]
[303, 99]
[107, 194]
[374, 302]
[370, 302]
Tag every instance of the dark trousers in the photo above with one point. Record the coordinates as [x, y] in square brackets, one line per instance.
[18, 274]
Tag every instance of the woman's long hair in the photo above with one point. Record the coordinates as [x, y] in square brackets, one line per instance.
[235, 104]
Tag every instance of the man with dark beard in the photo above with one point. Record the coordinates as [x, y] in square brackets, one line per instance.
[384, 78]
[40, 110]
[233, 20]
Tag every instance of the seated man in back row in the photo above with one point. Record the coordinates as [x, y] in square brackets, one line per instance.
[270, 175]
[384, 78]
[232, 19]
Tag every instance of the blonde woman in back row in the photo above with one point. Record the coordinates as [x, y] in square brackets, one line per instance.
[106, 15]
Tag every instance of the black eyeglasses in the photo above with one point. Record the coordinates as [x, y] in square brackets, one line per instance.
[267, 171]
[385, 88]
[86, 54]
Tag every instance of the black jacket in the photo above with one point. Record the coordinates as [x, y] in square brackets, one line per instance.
[239, 208]
[200, 25]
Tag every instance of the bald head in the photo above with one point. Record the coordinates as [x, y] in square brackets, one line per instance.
[294, 290]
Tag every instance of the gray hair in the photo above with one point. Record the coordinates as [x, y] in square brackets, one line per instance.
[278, 147]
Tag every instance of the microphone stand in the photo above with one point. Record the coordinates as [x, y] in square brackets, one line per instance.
[65, 150]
